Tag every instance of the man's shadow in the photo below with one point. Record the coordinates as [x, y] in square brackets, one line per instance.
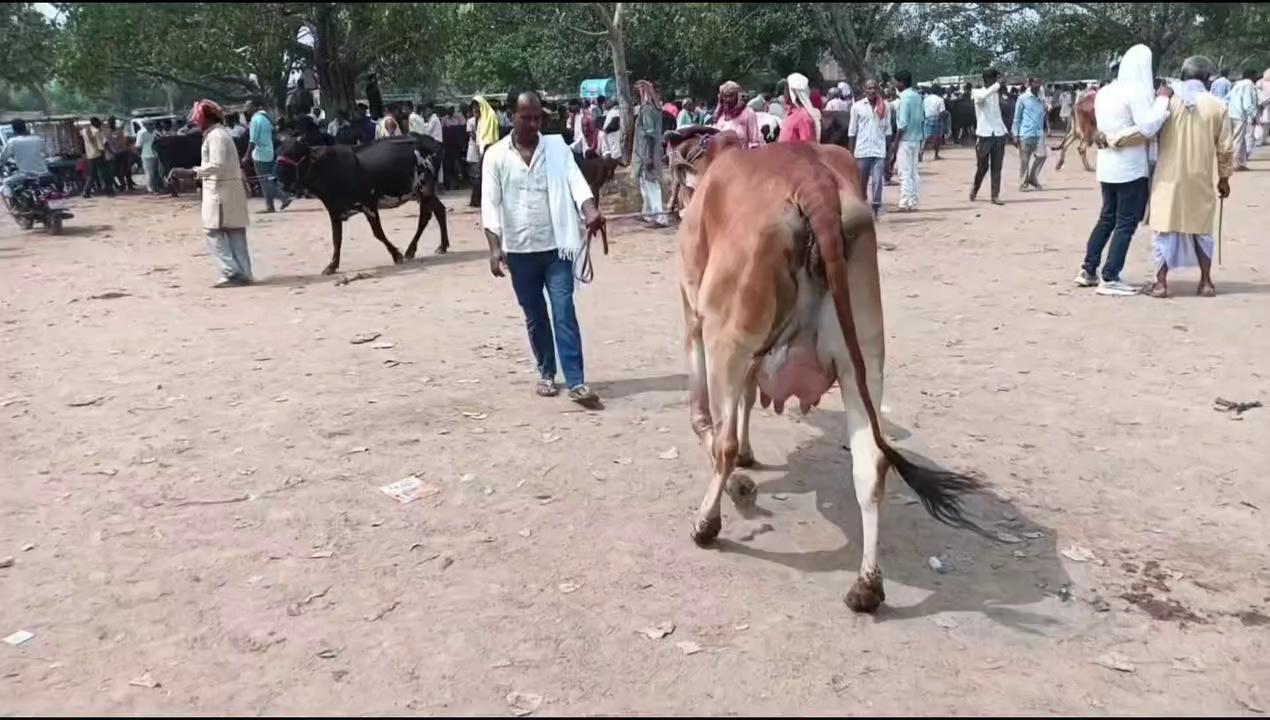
[984, 575]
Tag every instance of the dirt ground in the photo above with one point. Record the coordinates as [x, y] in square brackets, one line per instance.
[191, 481]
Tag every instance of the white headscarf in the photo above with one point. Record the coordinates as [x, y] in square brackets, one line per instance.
[1136, 77]
[800, 95]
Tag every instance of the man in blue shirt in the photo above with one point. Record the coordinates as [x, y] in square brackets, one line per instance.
[910, 119]
[1029, 134]
[260, 150]
[1221, 86]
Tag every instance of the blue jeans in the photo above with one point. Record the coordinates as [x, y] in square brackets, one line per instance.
[871, 171]
[269, 186]
[531, 274]
[1123, 206]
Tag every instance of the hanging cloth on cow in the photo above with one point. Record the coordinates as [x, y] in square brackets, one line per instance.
[487, 130]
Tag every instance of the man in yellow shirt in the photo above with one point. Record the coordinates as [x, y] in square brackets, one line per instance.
[95, 152]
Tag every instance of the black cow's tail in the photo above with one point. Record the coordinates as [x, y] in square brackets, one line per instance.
[828, 214]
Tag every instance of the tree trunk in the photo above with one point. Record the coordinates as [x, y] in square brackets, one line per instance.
[623, 76]
[337, 76]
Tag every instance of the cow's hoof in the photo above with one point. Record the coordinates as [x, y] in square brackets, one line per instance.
[329, 270]
[866, 595]
[409, 256]
[742, 490]
[746, 460]
[443, 249]
[397, 260]
[704, 533]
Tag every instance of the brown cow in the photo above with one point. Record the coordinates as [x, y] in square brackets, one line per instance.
[780, 294]
[1083, 132]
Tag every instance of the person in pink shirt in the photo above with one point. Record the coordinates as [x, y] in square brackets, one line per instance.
[802, 122]
[732, 114]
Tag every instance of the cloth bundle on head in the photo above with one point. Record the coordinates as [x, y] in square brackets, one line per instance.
[1135, 75]
[646, 92]
[800, 95]
[205, 112]
[731, 112]
[487, 130]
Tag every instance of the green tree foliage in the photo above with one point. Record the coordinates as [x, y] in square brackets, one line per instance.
[211, 48]
[124, 52]
[28, 44]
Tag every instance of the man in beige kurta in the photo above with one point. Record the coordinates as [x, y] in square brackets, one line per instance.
[1195, 145]
[224, 209]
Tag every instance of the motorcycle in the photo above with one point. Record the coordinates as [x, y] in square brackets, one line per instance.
[30, 199]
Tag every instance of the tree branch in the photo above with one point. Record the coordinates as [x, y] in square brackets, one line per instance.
[601, 13]
[592, 33]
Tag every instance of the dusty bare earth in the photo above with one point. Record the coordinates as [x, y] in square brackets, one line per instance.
[206, 533]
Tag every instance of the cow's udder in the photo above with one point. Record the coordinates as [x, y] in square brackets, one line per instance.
[794, 370]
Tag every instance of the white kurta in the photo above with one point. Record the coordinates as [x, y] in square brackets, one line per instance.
[224, 198]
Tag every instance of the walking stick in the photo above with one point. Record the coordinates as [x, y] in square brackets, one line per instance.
[1221, 211]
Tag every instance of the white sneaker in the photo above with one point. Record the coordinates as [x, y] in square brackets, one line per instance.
[1085, 279]
[1117, 288]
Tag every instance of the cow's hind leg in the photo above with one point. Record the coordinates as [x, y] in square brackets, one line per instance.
[868, 471]
[337, 241]
[726, 369]
[372, 217]
[745, 453]
[1062, 150]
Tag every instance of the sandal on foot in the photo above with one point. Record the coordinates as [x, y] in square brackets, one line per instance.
[1206, 291]
[1155, 290]
[547, 388]
[584, 396]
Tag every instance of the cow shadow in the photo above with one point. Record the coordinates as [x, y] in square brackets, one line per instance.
[985, 576]
[377, 272]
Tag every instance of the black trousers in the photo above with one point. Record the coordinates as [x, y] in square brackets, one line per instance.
[989, 154]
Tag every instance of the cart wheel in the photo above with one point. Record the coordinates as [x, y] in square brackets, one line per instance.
[26, 223]
[55, 225]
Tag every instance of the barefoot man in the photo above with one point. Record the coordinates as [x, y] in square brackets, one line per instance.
[1195, 144]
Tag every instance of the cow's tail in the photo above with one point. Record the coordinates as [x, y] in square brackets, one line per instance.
[835, 220]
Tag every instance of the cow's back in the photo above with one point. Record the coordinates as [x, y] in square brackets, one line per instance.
[179, 151]
[749, 211]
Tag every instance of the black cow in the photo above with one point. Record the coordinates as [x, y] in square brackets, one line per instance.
[834, 128]
[186, 151]
[962, 114]
[366, 179]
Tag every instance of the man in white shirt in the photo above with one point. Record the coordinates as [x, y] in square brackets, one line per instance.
[991, 134]
[933, 108]
[1129, 118]
[415, 122]
[432, 123]
[836, 103]
[150, 157]
[611, 131]
[532, 194]
[1242, 104]
[868, 132]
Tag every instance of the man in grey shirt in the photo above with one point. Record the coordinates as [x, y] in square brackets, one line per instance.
[26, 151]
